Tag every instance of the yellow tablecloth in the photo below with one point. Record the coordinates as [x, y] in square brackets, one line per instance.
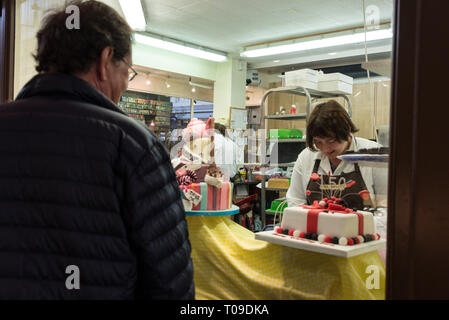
[229, 264]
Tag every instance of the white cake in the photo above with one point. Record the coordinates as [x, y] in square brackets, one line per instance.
[330, 222]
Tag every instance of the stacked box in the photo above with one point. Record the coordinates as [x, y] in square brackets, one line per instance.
[306, 78]
[336, 83]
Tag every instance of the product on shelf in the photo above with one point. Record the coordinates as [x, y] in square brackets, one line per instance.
[277, 206]
[279, 134]
[328, 221]
[279, 183]
[152, 113]
[204, 186]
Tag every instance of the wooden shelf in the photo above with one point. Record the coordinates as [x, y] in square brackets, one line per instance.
[301, 116]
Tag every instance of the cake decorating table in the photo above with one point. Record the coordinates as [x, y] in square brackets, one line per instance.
[230, 264]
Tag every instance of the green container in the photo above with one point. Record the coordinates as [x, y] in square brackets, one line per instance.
[275, 204]
[285, 134]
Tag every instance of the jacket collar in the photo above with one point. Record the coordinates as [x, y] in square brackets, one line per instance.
[65, 86]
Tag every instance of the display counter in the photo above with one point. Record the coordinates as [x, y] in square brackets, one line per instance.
[229, 264]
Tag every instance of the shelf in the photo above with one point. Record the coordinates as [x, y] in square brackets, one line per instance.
[288, 164]
[300, 91]
[301, 116]
[310, 94]
[285, 140]
[276, 189]
[246, 183]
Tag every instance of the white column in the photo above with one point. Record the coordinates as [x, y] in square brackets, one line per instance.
[229, 88]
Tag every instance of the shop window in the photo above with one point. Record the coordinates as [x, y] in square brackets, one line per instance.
[203, 110]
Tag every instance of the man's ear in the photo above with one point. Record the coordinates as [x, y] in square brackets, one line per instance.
[106, 59]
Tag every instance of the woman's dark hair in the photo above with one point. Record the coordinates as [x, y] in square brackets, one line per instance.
[72, 50]
[221, 128]
[329, 120]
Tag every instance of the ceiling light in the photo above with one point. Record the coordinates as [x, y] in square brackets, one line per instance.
[168, 85]
[276, 61]
[193, 89]
[171, 46]
[132, 9]
[148, 82]
[332, 53]
[199, 85]
[320, 43]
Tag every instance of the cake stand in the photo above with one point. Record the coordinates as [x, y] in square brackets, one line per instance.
[231, 211]
[324, 248]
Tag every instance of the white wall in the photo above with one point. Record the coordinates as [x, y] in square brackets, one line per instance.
[160, 59]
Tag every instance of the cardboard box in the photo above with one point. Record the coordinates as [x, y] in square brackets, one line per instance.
[336, 83]
[306, 78]
[335, 77]
[301, 83]
[303, 74]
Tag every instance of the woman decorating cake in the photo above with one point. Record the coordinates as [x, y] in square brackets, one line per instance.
[318, 173]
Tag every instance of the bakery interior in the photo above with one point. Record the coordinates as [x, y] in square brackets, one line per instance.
[259, 67]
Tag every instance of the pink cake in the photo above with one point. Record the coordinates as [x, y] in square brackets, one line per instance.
[329, 222]
[213, 198]
[202, 183]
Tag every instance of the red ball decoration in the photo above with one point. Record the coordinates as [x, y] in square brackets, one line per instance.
[278, 230]
[315, 176]
[374, 236]
[357, 240]
[350, 242]
[302, 235]
[290, 232]
[364, 194]
[328, 239]
[308, 193]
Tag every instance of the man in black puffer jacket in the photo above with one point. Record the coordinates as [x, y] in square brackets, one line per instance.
[89, 204]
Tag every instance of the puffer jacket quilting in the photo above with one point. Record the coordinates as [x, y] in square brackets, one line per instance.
[82, 184]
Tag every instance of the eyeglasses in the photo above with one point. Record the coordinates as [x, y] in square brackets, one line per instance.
[131, 72]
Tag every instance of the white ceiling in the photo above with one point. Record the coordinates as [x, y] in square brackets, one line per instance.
[231, 25]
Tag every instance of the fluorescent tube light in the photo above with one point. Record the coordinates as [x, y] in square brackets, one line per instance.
[171, 46]
[132, 9]
[320, 43]
[194, 84]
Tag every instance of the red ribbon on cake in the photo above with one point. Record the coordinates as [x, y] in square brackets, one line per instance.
[361, 222]
[315, 209]
[312, 220]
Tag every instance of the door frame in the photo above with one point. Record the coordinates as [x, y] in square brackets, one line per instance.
[7, 36]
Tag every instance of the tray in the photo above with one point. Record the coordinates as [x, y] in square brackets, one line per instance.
[364, 157]
[231, 211]
[372, 160]
[324, 248]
